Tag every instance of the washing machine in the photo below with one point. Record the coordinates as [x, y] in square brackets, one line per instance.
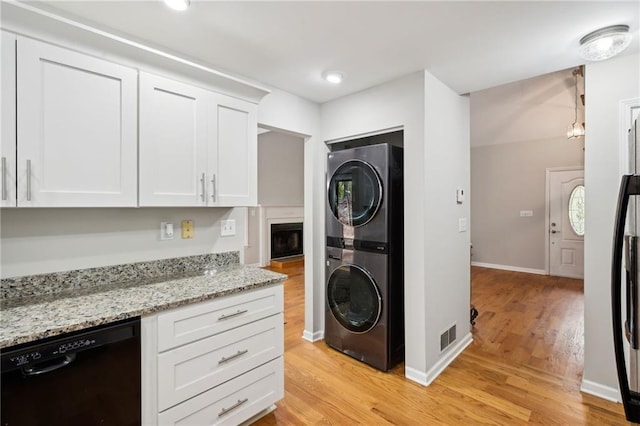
[365, 197]
[364, 315]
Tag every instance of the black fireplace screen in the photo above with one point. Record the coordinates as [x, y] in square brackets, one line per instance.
[286, 240]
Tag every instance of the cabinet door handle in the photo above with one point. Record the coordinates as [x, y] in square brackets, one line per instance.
[28, 180]
[213, 187]
[235, 314]
[233, 407]
[202, 180]
[230, 357]
[4, 178]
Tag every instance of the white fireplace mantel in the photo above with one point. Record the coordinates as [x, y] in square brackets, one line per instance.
[271, 215]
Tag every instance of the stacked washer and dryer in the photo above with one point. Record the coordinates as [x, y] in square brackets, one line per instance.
[364, 315]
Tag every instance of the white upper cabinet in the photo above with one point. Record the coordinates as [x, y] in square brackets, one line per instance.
[77, 129]
[236, 180]
[173, 143]
[197, 148]
[8, 143]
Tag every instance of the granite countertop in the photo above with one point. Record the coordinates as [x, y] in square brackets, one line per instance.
[31, 318]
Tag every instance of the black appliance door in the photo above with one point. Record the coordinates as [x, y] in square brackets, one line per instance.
[354, 298]
[84, 378]
[630, 185]
[355, 193]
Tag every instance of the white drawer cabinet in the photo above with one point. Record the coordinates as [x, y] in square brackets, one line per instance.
[194, 368]
[214, 362]
[233, 402]
[77, 129]
[187, 324]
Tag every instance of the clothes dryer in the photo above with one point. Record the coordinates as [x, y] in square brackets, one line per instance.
[364, 315]
[365, 196]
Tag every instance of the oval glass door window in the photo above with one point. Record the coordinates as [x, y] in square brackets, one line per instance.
[576, 210]
[353, 298]
[355, 192]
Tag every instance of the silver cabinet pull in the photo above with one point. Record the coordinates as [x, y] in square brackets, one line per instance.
[4, 178]
[230, 357]
[202, 180]
[233, 407]
[235, 314]
[213, 187]
[28, 180]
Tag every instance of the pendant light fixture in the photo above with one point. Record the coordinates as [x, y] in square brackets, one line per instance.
[576, 129]
[605, 43]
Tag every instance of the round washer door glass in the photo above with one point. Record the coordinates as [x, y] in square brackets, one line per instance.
[354, 298]
[355, 193]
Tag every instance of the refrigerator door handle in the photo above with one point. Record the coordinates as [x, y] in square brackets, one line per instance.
[632, 330]
[630, 185]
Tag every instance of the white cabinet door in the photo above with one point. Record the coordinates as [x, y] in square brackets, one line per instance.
[8, 143]
[77, 129]
[234, 163]
[173, 143]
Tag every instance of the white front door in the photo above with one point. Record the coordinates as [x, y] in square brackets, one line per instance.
[566, 223]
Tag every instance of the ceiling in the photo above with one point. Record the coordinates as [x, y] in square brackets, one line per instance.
[470, 45]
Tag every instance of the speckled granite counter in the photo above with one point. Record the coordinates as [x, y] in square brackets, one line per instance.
[39, 315]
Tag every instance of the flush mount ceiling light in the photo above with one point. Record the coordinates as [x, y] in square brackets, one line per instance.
[178, 4]
[334, 77]
[605, 43]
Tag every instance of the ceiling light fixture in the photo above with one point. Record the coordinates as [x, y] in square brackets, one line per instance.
[605, 43]
[576, 129]
[178, 4]
[334, 77]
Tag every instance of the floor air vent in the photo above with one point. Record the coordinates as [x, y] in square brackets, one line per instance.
[447, 337]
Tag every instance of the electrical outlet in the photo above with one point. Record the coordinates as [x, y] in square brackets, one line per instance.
[166, 231]
[187, 229]
[227, 228]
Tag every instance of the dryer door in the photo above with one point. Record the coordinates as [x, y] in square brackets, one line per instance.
[354, 298]
[355, 193]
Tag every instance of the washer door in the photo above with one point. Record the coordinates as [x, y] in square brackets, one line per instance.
[355, 193]
[354, 298]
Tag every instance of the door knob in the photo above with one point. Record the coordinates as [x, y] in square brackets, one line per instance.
[553, 231]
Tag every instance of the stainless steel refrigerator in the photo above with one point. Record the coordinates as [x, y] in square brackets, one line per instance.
[625, 295]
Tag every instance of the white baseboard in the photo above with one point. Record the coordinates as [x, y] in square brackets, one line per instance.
[313, 337]
[428, 377]
[601, 391]
[510, 268]
[255, 265]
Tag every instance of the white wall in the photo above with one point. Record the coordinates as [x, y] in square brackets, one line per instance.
[402, 103]
[284, 111]
[280, 169]
[446, 258]
[40, 240]
[518, 130]
[607, 83]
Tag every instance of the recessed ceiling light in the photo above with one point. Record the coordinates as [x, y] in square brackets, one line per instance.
[334, 77]
[178, 4]
[605, 43]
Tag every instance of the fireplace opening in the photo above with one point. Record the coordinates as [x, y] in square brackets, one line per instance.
[286, 240]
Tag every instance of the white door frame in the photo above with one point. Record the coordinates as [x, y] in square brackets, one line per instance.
[547, 193]
[628, 108]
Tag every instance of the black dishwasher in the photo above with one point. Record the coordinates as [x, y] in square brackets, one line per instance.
[89, 377]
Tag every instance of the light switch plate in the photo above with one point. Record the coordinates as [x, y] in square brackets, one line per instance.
[187, 229]
[227, 228]
[166, 231]
[462, 224]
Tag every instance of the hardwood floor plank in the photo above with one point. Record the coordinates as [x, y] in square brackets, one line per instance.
[524, 366]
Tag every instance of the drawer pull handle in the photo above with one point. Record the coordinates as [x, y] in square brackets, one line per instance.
[235, 314]
[233, 407]
[229, 358]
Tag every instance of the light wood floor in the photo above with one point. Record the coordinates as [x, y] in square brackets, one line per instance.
[524, 366]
